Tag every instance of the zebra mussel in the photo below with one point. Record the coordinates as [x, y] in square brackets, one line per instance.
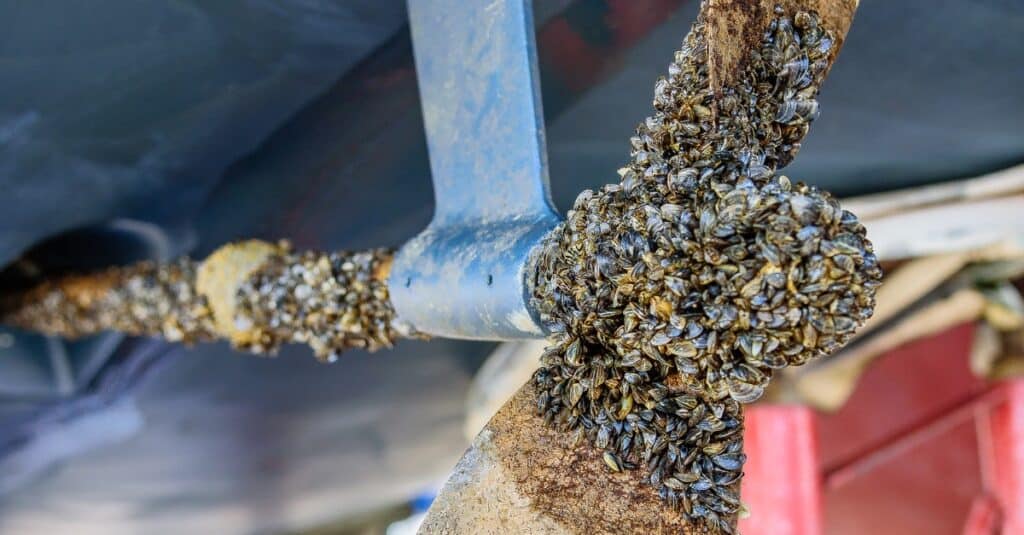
[143, 299]
[674, 294]
[330, 301]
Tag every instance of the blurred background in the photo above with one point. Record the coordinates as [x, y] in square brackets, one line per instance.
[134, 129]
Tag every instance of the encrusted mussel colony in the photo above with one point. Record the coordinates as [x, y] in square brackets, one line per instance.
[674, 294]
[330, 301]
[143, 299]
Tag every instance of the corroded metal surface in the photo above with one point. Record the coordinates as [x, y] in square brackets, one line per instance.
[544, 484]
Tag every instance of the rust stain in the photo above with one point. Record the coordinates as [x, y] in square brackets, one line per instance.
[570, 484]
[735, 27]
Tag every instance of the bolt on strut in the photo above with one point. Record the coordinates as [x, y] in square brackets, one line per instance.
[669, 297]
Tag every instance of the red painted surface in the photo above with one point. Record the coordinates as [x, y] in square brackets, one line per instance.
[924, 488]
[781, 446]
[983, 518]
[1001, 434]
[911, 384]
[922, 446]
[901, 456]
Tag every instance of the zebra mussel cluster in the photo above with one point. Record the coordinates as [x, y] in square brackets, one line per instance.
[674, 294]
[330, 301]
[143, 299]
